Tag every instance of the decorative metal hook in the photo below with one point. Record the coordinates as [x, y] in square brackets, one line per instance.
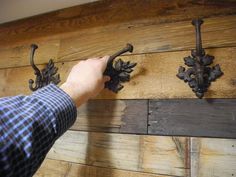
[200, 75]
[119, 71]
[45, 76]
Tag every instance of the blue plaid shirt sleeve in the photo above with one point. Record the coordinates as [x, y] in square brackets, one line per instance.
[29, 126]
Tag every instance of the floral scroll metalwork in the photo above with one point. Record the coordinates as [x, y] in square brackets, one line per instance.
[119, 70]
[45, 76]
[200, 74]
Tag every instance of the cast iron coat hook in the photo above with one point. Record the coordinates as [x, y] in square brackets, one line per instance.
[119, 71]
[45, 76]
[200, 75]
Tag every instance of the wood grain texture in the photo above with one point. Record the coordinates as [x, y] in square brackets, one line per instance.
[110, 12]
[92, 42]
[153, 78]
[127, 152]
[214, 157]
[193, 117]
[19, 55]
[150, 154]
[120, 116]
[216, 32]
[50, 168]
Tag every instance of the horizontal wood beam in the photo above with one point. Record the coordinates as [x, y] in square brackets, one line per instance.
[160, 155]
[111, 12]
[174, 156]
[153, 78]
[119, 116]
[50, 168]
[216, 32]
[193, 117]
[172, 117]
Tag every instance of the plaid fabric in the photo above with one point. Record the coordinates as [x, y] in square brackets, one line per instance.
[29, 126]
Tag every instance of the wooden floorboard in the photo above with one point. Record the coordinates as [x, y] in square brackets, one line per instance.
[193, 117]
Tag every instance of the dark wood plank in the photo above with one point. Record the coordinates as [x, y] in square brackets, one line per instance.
[110, 12]
[119, 116]
[193, 117]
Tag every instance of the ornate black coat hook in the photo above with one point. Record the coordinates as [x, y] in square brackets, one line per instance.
[45, 76]
[200, 75]
[119, 71]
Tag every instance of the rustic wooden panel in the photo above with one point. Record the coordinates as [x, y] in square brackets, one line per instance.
[193, 117]
[121, 116]
[19, 55]
[161, 155]
[213, 157]
[217, 32]
[154, 77]
[50, 169]
[110, 12]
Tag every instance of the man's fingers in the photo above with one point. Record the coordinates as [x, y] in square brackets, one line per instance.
[104, 62]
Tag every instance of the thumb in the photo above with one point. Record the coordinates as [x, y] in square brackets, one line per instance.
[104, 62]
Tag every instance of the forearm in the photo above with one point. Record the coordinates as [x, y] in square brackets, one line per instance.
[29, 125]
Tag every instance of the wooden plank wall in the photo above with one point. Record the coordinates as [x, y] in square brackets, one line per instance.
[120, 135]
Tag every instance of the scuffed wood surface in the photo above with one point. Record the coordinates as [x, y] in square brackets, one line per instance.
[153, 78]
[111, 12]
[120, 116]
[50, 168]
[193, 117]
[213, 157]
[19, 55]
[216, 32]
[157, 29]
[160, 155]
[207, 157]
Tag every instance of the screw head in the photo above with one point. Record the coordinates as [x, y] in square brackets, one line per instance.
[197, 22]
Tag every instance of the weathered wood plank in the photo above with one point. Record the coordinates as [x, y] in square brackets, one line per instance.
[50, 168]
[153, 78]
[120, 116]
[160, 155]
[19, 55]
[216, 32]
[213, 157]
[193, 117]
[158, 37]
[110, 12]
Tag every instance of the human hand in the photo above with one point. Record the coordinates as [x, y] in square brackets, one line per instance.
[86, 79]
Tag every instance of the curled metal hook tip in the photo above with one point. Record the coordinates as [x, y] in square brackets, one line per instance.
[199, 75]
[119, 71]
[45, 76]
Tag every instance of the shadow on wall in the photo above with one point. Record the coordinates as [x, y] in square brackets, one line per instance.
[100, 115]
